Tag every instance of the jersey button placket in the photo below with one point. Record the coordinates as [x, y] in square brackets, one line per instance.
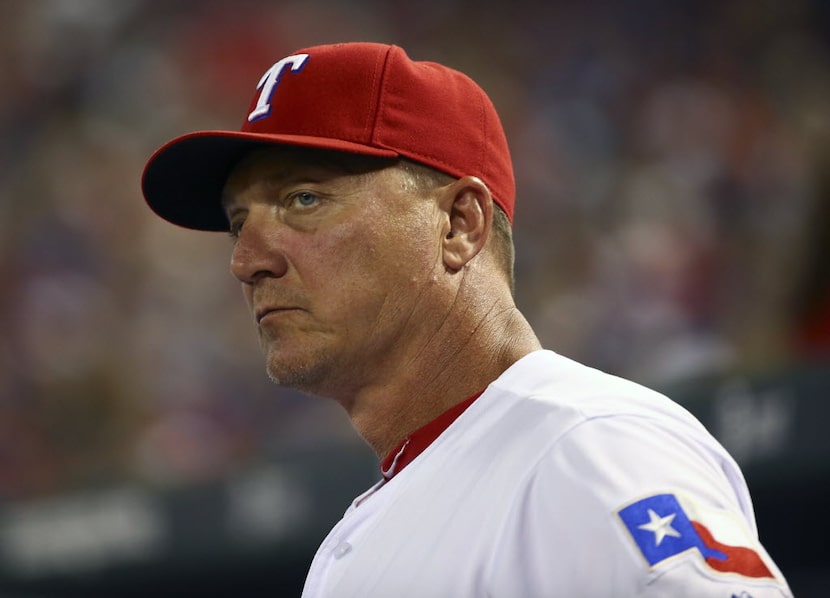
[341, 550]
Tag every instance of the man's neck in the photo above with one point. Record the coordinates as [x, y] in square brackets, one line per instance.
[449, 369]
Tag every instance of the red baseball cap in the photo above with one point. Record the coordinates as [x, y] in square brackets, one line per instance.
[362, 98]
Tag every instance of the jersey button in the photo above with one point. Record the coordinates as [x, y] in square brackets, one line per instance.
[342, 550]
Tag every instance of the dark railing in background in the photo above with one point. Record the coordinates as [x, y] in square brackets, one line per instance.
[254, 533]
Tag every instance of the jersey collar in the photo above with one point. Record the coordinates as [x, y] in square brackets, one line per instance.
[414, 444]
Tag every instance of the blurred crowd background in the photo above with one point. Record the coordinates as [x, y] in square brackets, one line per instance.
[673, 212]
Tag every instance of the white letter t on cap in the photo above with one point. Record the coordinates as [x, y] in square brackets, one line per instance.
[269, 83]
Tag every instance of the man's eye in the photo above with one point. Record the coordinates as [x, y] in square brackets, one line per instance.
[235, 229]
[303, 199]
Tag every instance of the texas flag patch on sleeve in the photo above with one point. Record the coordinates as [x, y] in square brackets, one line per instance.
[664, 526]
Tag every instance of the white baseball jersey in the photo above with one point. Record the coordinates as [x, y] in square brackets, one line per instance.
[558, 481]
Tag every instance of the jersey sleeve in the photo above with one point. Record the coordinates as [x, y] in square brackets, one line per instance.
[623, 506]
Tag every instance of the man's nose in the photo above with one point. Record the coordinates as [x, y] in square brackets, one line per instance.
[257, 252]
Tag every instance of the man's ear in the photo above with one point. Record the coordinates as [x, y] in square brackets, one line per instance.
[469, 205]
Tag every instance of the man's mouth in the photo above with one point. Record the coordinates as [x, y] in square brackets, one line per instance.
[265, 312]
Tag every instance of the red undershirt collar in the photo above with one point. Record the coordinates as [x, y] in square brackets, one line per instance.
[414, 444]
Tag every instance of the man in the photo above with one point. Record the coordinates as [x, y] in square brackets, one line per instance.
[370, 199]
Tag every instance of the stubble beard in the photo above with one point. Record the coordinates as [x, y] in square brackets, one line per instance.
[308, 373]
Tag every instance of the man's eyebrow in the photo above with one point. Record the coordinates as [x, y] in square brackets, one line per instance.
[227, 201]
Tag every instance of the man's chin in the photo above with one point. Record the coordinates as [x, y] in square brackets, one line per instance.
[302, 373]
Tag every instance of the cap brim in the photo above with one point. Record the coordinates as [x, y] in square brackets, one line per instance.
[183, 180]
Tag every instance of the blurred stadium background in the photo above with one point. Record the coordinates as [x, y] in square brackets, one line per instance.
[673, 226]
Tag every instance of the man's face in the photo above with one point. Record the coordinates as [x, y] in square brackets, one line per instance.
[337, 265]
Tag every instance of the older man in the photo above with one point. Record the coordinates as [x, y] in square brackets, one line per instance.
[370, 199]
